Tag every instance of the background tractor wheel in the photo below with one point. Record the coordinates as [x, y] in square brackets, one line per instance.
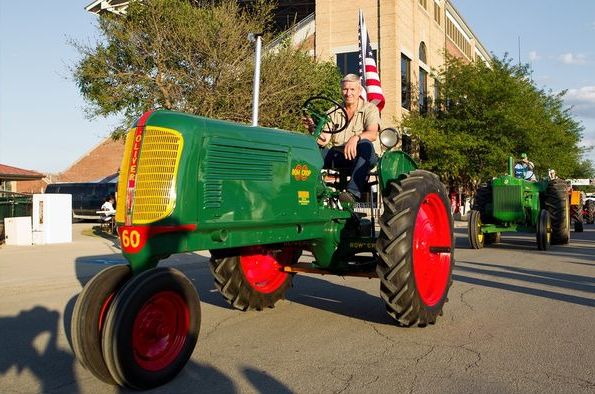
[558, 206]
[590, 212]
[88, 318]
[492, 238]
[476, 237]
[415, 249]
[253, 278]
[544, 230]
[151, 328]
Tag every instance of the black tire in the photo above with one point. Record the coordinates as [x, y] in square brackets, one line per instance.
[544, 230]
[483, 199]
[415, 249]
[476, 237]
[578, 227]
[252, 278]
[492, 238]
[151, 328]
[558, 206]
[590, 212]
[88, 318]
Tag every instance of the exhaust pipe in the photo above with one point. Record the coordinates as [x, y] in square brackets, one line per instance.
[256, 37]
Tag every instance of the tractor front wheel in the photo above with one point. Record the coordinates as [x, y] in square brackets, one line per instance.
[492, 238]
[476, 237]
[88, 318]
[544, 230]
[253, 278]
[415, 249]
[151, 328]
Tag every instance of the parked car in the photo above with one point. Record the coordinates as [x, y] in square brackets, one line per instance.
[87, 197]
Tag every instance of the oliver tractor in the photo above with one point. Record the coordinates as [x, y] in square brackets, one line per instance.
[511, 204]
[255, 198]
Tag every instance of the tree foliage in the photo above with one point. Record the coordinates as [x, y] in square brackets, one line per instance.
[195, 57]
[488, 112]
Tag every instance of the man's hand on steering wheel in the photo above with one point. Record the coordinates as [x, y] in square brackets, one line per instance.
[312, 110]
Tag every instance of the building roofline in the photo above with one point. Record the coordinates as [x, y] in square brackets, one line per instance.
[478, 44]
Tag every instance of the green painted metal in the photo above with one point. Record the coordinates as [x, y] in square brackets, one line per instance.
[393, 165]
[241, 186]
[516, 203]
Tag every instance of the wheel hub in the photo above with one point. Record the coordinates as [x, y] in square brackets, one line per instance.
[431, 249]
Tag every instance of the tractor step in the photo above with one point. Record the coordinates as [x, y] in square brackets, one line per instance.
[308, 269]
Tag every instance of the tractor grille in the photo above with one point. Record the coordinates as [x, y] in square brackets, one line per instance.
[508, 202]
[155, 188]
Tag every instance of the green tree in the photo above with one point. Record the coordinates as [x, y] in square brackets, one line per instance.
[196, 58]
[488, 112]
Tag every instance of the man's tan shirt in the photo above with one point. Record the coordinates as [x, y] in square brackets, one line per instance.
[366, 115]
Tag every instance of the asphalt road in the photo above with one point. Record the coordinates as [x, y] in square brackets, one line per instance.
[518, 320]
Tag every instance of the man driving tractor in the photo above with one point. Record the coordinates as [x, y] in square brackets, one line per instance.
[357, 146]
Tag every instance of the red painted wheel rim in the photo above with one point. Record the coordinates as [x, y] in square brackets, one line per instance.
[103, 311]
[432, 242]
[160, 330]
[263, 272]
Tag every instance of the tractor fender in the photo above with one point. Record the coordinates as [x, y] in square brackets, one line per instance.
[392, 166]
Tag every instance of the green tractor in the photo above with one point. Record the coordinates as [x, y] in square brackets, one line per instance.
[255, 198]
[516, 204]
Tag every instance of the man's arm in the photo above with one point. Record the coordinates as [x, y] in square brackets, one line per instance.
[370, 133]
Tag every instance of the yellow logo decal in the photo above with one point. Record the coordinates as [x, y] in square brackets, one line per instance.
[301, 172]
[303, 197]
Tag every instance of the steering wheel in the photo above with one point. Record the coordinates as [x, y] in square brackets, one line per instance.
[316, 108]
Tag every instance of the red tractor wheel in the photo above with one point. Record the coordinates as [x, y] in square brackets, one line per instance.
[88, 318]
[253, 278]
[151, 328]
[415, 249]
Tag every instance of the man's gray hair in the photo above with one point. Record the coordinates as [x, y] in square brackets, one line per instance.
[350, 78]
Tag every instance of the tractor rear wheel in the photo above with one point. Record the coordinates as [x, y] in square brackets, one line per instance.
[415, 249]
[88, 318]
[476, 237]
[544, 230]
[151, 328]
[253, 279]
[558, 206]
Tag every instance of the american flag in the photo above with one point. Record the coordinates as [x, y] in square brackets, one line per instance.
[367, 67]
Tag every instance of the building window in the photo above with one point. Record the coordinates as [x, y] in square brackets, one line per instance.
[405, 82]
[459, 39]
[424, 3]
[423, 91]
[437, 13]
[422, 53]
[348, 62]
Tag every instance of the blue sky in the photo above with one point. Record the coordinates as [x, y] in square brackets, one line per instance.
[42, 121]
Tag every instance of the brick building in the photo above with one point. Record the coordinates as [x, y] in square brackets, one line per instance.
[409, 37]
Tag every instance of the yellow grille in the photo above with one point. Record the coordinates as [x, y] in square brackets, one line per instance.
[155, 191]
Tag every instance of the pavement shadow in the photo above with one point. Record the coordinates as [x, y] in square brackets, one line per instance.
[553, 279]
[29, 341]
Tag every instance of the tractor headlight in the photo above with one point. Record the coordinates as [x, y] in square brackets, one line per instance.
[389, 137]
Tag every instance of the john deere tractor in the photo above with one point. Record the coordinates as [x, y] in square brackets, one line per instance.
[255, 198]
[513, 204]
